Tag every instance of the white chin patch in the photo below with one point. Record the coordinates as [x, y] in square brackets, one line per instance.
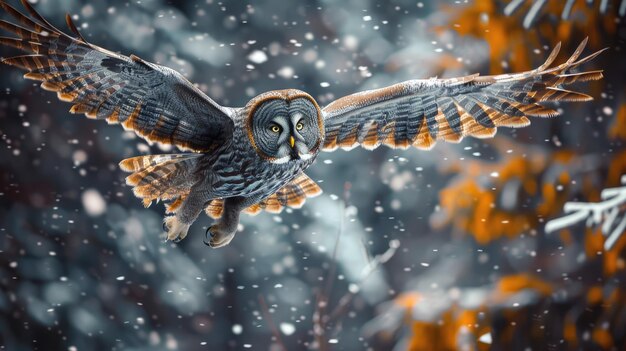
[281, 160]
[305, 156]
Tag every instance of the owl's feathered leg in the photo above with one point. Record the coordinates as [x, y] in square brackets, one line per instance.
[223, 231]
[176, 230]
[177, 226]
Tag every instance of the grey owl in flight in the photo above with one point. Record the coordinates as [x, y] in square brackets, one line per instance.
[252, 158]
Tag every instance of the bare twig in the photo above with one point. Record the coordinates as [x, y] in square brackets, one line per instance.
[270, 322]
[323, 295]
[345, 300]
[321, 319]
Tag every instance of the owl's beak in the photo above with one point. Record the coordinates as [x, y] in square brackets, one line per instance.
[292, 141]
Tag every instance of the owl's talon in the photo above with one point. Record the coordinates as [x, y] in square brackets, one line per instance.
[209, 234]
[176, 230]
[208, 237]
[216, 236]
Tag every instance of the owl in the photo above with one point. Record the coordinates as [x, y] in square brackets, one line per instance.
[247, 159]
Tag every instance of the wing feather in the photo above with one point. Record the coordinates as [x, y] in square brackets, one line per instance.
[420, 112]
[155, 102]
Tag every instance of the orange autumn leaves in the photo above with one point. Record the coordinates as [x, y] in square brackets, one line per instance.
[460, 328]
[453, 325]
[509, 41]
[541, 185]
[612, 260]
[498, 320]
[511, 202]
[618, 129]
[443, 333]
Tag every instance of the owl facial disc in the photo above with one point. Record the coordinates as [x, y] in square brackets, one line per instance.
[285, 127]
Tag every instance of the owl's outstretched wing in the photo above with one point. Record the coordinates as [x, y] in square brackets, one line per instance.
[156, 102]
[420, 112]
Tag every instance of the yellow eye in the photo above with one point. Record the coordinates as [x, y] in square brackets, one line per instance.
[275, 128]
[299, 126]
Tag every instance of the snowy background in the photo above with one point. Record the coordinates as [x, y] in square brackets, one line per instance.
[442, 249]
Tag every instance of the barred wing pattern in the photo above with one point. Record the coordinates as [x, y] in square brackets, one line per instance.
[420, 112]
[161, 177]
[293, 195]
[156, 102]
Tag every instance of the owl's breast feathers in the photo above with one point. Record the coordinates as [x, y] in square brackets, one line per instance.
[240, 171]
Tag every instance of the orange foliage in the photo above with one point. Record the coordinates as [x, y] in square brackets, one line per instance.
[473, 208]
[618, 129]
[617, 168]
[614, 258]
[510, 41]
[452, 327]
[407, 300]
[457, 328]
[594, 242]
[504, 34]
[608, 302]
[569, 332]
[512, 284]
[603, 338]
[594, 295]
[474, 212]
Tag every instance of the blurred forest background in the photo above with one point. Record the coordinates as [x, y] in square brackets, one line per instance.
[438, 250]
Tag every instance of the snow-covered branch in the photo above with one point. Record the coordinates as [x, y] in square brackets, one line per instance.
[537, 5]
[608, 213]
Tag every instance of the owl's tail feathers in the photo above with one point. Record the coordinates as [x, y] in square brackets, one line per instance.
[161, 177]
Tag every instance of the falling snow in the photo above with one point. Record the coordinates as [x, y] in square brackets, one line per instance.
[400, 244]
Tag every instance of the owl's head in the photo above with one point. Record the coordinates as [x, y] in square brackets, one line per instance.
[285, 125]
